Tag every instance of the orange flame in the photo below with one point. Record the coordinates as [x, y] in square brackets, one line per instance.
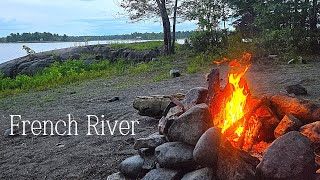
[234, 107]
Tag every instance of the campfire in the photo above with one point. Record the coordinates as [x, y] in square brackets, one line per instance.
[227, 133]
[232, 107]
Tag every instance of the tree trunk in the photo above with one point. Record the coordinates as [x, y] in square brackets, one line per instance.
[166, 26]
[313, 27]
[304, 17]
[313, 19]
[174, 27]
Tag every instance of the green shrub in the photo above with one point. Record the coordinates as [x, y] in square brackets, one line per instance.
[150, 45]
[74, 71]
[202, 41]
[200, 62]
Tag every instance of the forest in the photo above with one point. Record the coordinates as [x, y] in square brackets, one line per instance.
[262, 27]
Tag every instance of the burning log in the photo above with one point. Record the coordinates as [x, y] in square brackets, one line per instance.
[214, 85]
[233, 128]
[246, 121]
[231, 107]
[254, 136]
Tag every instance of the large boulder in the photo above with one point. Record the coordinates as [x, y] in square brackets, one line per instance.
[200, 174]
[175, 155]
[312, 131]
[289, 157]
[132, 167]
[304, 110]
[163, 174]
[151, 141]
[207, 148]
[287, 124]
[191, 125]
[152, 106]
[234, 164]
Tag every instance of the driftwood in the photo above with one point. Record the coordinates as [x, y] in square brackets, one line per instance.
[214, 85]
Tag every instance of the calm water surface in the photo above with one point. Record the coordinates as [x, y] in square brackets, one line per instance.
[9, 51]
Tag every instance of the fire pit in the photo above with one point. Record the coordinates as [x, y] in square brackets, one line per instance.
[233, 108]
[226, 133]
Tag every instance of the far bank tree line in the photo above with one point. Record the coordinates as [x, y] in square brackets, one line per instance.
[38, 37]
[273, 26]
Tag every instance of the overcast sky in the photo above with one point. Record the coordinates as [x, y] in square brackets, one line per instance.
[71, 17]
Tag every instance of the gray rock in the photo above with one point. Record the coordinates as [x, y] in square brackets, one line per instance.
[143, 152]
[207, 148]
[175, 73]
[197, 95]
[162, 174]
[75, 56]
[152, 106]
[296, 89]
[288, 157]
[149, 157]
[287, 124]
[116, 98]
[304, 110]
[164, 125]
[234, 164]
[149, 162]
[312, 131]
[116, 176]
[151, 141]
[191, 125]
[193, 97]
[200, 174]
[7, 132]
[175, 155]
[132, 167]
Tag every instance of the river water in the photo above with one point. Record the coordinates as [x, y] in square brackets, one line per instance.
[9, 51]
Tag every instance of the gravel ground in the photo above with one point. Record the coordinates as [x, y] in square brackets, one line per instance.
[95, 157]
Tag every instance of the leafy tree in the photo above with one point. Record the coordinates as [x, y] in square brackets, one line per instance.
[208, 14]
[150, 9]
[245, 15]
[290, 22]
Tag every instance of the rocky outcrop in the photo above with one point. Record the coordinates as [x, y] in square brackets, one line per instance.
[33, 64]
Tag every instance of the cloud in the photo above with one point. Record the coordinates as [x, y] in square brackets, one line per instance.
[72, 17]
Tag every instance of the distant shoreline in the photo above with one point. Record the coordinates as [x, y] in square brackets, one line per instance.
[21, 42]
